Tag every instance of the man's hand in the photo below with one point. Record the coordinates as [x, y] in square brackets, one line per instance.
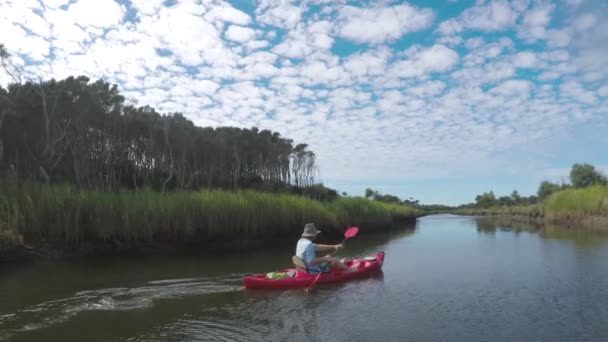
[338, 247]
[328, 258]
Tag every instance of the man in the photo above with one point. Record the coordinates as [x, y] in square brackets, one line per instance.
[306, 250]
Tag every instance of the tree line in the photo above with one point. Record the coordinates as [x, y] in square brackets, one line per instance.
[581, 176]
[83, 132]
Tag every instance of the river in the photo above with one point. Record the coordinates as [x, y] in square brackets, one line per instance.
[448, 279]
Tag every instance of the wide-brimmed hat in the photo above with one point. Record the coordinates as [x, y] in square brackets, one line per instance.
[310, 230]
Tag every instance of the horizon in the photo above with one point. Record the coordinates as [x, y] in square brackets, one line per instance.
[444, 101]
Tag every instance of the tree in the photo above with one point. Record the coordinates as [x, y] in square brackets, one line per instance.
[485, 200]
[546, 188]
[505, 200]
[584, 175]
[82, 132]
[515, 197]
[370, 193]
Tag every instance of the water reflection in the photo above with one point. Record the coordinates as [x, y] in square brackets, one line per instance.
[448, 279]
[580, 236]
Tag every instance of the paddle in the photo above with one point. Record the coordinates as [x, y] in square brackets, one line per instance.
[349, 233]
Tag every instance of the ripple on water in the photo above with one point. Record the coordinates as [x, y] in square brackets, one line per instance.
[53, 312]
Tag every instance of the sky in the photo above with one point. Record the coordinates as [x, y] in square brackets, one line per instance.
[435, 100]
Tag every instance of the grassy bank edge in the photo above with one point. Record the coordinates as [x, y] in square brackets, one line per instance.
[61, 218]
[570, 207]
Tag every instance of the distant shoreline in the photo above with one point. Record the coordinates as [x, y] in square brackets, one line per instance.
[571, 208]
[570, 222]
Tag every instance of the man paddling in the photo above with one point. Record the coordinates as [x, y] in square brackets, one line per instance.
[306, 250]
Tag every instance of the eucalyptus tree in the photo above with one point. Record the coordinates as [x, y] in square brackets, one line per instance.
[82, 132]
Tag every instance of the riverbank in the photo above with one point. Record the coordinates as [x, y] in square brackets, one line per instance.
[571, 208]
[54, 221]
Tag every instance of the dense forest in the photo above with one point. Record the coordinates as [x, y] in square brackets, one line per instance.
[84, 133]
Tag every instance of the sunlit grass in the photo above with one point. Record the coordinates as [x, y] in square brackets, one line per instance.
[571, 203]
[567, 206]
[533, 211]
[64, 213]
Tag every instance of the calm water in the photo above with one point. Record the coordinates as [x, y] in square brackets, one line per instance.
[450, 279]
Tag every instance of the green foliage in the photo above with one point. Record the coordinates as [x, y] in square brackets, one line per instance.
[82, 132]
[576, 203]
[485, 200]
[584, 175]
[65, 214]
[530, 210]
[546, 188]
[434, 208]
[387, 198]
[489, 200]
[515, 197]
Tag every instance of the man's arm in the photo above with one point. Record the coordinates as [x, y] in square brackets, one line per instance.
[325, 248]
[321, 260]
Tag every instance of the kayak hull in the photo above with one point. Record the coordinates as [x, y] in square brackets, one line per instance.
[365, 267]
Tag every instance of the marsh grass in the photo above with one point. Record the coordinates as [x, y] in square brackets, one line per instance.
[577, 203]
[65, 214]
[570, 207]
[531, 211]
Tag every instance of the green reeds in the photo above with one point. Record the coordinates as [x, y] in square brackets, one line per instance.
[532, 211]
[65, 214]
[572, 204]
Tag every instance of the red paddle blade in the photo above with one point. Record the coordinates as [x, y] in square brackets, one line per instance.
[351, 232]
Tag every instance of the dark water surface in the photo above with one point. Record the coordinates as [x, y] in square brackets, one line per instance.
[450, 279]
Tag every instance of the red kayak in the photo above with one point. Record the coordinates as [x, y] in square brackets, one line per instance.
[296, 277]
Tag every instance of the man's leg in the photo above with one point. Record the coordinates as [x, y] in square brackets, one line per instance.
[340, 265]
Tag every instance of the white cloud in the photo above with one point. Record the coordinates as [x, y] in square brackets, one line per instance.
[513, 88]
[575, 91]
[549, 76]
[584, 22]
[279, 13]
[146, 7]
[380, 24]
[558, 38]
[494, 16]
[473, 43]
[97, 13]
[239, 33]
[437, 58]
[574, 3]
[191, 38]
[524, 59]
[535, 21]
[227, 13]
[19, 41]
[370, 63]
[55, 3]
[283, 74]
[305, 39]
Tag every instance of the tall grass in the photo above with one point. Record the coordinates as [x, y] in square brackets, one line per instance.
[531, 211]
[65, 214]
[569, 206]
[576, 203]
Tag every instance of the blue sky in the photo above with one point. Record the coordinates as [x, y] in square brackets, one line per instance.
[436, 100]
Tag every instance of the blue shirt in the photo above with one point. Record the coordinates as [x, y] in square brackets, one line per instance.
[305, 250]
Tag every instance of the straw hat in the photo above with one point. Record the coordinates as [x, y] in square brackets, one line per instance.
[310, 230]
